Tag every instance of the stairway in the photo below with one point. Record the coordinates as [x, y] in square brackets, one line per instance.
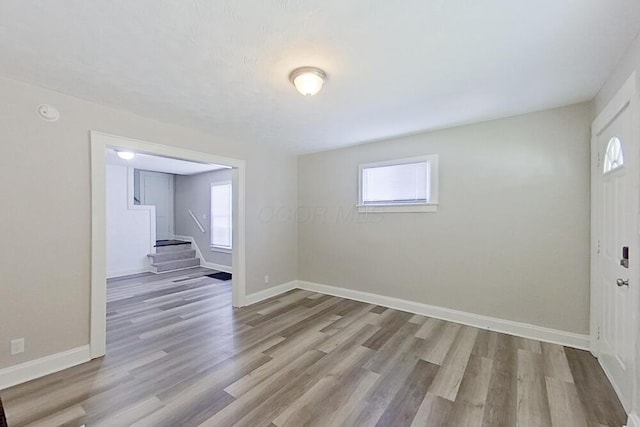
[173, 255]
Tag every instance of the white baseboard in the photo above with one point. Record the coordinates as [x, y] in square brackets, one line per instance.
[270, 292]
[203, 262]
[633, 421]
[610, 377]
[214, 266]
[57, 362]
[33, 369]
[525, 330]
[127, 272]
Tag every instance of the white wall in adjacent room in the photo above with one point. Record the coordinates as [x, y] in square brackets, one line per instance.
[128, 230]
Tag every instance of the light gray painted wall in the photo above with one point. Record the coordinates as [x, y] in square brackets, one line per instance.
[510, 239]
[629, 63]
[194, 192]
[46, 298]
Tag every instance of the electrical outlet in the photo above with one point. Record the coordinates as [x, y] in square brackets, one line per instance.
[266, 279]
[17, 346]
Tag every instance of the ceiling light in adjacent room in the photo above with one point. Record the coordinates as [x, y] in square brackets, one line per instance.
[308, 80]
[125, 155]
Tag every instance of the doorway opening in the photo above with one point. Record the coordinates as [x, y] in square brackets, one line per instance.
[152, 194]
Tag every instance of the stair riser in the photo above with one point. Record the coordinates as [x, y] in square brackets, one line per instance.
[175, 265]
[173, 248]
[172, 256]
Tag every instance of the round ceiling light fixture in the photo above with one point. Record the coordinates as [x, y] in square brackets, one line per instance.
[308, 80]
[125, 155]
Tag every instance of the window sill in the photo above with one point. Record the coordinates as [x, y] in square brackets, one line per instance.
[397, 208]
[221, 249]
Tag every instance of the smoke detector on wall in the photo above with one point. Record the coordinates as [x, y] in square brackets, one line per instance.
[48, 113]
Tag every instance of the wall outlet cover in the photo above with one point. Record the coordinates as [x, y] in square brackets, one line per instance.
[17, 346]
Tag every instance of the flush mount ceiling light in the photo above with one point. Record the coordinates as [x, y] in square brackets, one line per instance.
[308, 80]
[125, 155]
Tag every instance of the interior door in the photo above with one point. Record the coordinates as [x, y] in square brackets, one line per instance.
[156, 189]
[616, 256]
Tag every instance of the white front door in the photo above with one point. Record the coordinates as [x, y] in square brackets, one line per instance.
[156, 189]
[615, 229]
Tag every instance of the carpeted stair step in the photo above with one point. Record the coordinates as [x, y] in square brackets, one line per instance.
[172, 246]
[178, 264]
[172, 255]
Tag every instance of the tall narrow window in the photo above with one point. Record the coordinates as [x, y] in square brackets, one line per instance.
[221, 212]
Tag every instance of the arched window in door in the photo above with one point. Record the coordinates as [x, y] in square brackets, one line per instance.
[613, 157]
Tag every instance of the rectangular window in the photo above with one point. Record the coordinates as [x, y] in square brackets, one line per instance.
[221, 212]
[406, 185]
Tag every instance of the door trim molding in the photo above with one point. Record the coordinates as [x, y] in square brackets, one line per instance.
[626, 97]
[633, 421]
[622, 98]
[99, 143]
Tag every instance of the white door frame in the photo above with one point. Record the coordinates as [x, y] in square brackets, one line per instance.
[99, 143]
[627, 97]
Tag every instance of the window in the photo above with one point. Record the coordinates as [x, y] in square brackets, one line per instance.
[221, 211]
[613, 158]
[406, 185]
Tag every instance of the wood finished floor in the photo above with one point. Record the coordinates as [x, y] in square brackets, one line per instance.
[179, 355]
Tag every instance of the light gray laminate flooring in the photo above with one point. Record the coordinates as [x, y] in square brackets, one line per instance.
[178, 354]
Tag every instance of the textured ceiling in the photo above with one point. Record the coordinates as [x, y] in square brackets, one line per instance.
[394, 67]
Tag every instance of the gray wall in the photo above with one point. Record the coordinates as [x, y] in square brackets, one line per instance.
[194, 192]
[510, 239]
[46, 298]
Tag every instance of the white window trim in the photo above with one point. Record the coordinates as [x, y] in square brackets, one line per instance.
[221, 249]
[218, 248]
[430, 206]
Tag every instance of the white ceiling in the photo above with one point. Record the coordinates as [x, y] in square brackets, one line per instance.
[148, 162]
[394, 67]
